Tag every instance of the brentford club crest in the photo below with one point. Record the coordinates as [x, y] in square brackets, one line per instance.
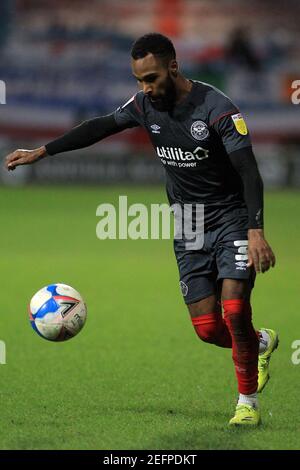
[199, 130]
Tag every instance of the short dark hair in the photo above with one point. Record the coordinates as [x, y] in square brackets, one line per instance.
[153, 43]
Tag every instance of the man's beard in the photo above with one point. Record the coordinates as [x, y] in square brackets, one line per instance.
[167, 101]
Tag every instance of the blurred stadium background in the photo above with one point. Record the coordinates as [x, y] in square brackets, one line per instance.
[63, 62]
[137, 377]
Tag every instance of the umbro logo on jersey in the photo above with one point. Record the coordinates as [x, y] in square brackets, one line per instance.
[155, 129]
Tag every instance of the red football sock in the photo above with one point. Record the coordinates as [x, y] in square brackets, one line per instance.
[258, 334]
[237, 315]
[211, 328]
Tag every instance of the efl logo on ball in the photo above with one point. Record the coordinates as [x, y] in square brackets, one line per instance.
[57, 312]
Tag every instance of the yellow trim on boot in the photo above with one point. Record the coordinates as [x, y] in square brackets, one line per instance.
[245, 415]
[264, 360]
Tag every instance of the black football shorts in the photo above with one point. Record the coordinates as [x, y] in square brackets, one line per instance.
[223, 256]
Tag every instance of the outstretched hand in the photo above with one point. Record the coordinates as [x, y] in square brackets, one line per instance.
[24, 157]
[260, 254]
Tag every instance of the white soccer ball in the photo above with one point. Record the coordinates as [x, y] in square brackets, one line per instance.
[57, 312]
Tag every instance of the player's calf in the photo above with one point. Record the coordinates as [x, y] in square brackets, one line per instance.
[237, 315]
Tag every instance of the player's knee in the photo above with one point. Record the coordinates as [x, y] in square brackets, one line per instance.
[206, 327]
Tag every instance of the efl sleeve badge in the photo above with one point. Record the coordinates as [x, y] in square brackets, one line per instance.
[240, 124]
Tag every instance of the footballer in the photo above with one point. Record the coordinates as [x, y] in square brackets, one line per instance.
[203, 143]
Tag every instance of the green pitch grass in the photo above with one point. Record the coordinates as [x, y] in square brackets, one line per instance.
[136, 377]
